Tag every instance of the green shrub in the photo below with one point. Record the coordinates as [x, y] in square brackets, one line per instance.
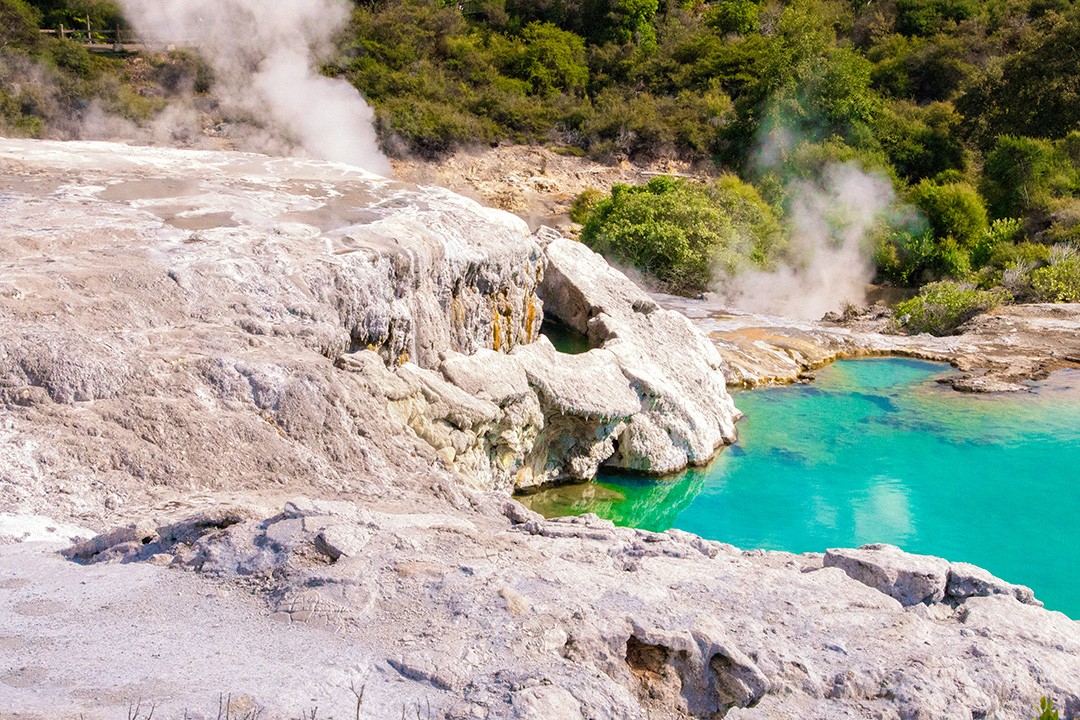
[584, 204]
[1008, 254]
[1016, 177]
[14, 118]
[941, 307]
[754, 219]
[552, 60]
[922, 142]
[432, 128]
[625, 122]
[1059, 282]
[1064, 225]
[955, 210]
[733, 16]
[18, 26]
[912, 258]
[1001, 232]
[926, 17]
[679, 231]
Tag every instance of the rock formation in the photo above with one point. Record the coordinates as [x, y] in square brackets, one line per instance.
[481, 609]
[326, 320]
[278, 407]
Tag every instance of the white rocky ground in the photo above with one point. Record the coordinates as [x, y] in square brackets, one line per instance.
[189, 342]
[998, 351]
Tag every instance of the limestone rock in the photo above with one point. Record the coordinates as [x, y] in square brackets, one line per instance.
[685, 414]
[487, 374]
[483, 618]
[1000, 351]
[545, 702]
[911, 579]
[967, 580]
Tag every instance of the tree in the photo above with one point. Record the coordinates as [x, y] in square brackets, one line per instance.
[921, 141]
[1038, 92]
[553, 59]
[1016, 176]
[680, 232]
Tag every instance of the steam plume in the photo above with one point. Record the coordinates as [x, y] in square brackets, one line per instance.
[263, 56]
[828, 262]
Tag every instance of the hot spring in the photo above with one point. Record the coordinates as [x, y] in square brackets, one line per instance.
[878, 451]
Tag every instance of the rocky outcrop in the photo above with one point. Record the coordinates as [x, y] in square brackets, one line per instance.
[685, 412]
[328, 321]
[914, 579]
[999, 351]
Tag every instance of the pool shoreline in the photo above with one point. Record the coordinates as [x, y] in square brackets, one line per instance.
[889, 493]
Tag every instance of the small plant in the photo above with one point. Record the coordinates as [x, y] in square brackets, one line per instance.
[1047, 709]
[944, 306]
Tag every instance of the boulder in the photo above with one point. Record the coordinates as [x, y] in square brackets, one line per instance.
[686, 413]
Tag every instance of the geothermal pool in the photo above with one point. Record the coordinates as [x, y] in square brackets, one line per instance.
[877, 451]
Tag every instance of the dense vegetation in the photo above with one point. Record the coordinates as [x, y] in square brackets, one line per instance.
[681, 232]
[51, 86]
[970, 107]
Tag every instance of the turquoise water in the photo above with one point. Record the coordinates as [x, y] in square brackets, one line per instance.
[877, 451]
[565, 339]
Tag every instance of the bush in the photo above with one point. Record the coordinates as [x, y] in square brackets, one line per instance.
[733, 16]
[922, 142]
[910, 259]
[954, 210]
[1016, 177]
[1057, 283]
[679, 232]
[584, 204]
[1064, 224]
[926, 17]
[941, 307]
[754, 220]
[648, 126]
[1008, 254]
[552, 60]
[1006, 231]
[18, 26]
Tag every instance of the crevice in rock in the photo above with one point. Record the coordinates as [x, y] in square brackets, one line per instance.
[651, 665]
[737, 684]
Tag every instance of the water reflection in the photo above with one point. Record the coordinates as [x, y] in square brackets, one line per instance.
[883, 513]
[641, 503]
